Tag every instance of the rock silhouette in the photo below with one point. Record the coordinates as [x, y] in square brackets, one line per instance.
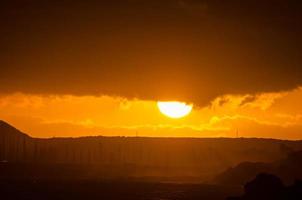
[288, 169]
[264, 186]
[270, 187]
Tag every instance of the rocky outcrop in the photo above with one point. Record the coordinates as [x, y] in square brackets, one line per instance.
[288, 169]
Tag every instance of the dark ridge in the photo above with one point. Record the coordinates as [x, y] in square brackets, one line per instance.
[242, 173]
[288, 169]
[7, 129]
[269, 186]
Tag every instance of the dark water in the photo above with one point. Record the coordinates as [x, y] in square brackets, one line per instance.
[107, 190]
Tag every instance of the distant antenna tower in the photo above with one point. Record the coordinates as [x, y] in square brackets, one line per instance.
[136, 133]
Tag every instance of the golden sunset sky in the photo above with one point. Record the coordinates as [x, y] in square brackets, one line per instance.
[269, 115]
[75, 68]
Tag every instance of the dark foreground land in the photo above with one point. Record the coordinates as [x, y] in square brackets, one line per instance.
[114, 168]
[115, 190]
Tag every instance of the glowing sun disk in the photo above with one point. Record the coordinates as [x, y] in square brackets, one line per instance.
[174, 109]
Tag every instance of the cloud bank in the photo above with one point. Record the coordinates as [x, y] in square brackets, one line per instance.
[192, 51]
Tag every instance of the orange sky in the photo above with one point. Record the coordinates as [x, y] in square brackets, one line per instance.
[270, 115]
[74, 68]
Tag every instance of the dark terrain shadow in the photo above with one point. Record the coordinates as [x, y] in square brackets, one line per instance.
[268, 186]
[287, 169]
[110, 190]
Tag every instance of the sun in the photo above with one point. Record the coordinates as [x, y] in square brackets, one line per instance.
[174, 109]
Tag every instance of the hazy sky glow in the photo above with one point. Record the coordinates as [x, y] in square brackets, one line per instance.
[275, 115]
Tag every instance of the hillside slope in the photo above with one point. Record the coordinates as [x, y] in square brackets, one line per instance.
[288, 169]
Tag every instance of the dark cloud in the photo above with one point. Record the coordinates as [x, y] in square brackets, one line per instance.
[185, 50]
[247, 100]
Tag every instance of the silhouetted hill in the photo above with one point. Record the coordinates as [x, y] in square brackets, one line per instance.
[270, 187]
[241, 173]
[8, 130]
[288, 169]
[13, 143]
[179, 159]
